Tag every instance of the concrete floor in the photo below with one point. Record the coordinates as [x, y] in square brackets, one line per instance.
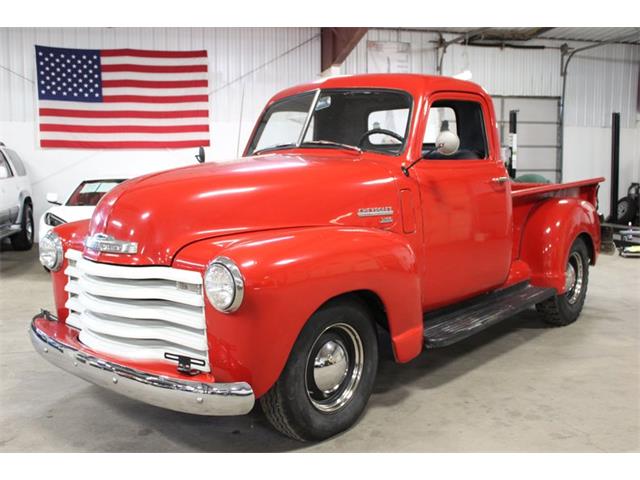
[518, 386]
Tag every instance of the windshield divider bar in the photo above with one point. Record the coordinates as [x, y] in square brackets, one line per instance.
[308, 119]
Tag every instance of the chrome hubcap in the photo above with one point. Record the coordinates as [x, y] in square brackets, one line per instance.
[330, 367]
[574, 277]
[334, 367]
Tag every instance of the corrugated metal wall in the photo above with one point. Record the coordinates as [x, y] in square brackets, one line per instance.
[600, 81]
[246, 67]
[259, 60]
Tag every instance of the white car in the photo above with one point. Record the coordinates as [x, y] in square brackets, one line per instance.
[16, 204]
[79, 205]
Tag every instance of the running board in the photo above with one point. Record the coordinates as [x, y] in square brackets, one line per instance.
[452, 324]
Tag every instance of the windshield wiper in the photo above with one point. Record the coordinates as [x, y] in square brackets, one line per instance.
[274, 147]
[334, 144]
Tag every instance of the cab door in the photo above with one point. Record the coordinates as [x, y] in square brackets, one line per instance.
[466, 204]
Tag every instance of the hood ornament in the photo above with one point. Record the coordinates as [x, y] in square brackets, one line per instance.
[106, 243]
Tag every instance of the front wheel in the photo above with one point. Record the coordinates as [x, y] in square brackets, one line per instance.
[329, 376]
[564, 309]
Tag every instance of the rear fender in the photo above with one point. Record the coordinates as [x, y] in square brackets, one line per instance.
[550, 231]
[291, 273]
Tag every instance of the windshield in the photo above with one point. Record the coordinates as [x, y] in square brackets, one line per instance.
[90, 193]
[368, 119]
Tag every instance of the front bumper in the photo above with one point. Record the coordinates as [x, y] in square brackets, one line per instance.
[167, 392]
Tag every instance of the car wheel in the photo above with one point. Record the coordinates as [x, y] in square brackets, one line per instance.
[626, 210]
[564, 309]
[24, 239]
[329, 376]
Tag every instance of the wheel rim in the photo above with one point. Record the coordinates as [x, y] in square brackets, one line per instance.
[574, 277]
[334, 367]
[622, 209]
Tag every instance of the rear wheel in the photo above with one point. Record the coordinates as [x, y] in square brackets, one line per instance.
[24, 239]
[329, 376]
[564, 309]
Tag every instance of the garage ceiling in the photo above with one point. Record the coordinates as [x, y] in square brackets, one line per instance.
[629, 35]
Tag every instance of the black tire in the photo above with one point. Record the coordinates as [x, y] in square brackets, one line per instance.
[626, 209]
[24, 239]
[564, 309]
[294, 405]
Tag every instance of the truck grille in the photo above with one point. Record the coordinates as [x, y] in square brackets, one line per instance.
[141, 313]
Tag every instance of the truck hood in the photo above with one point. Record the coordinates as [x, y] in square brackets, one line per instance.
[166, 211]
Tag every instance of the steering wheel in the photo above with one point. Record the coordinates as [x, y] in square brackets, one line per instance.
[382, 131]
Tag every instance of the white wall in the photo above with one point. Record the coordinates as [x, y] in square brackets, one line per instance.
[261, 61]
[249, 63]
[600, 81]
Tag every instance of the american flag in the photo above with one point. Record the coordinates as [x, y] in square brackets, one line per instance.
[122, 98]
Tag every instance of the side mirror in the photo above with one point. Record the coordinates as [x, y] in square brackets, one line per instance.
[447, 143]
[53, 198]
[200, 155]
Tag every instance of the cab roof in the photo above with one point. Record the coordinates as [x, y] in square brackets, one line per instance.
[415, 84]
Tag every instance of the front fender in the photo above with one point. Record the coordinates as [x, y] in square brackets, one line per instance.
[549, 233]
[291, 273]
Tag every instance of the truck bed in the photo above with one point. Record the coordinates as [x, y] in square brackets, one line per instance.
[585, 189]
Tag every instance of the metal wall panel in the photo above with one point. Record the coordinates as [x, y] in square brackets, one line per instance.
[259, 61]
[600, 81]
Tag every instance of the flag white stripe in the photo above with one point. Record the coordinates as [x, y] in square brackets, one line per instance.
[154, 92]
[110, 107]
[152, 61]
[155, 77]
[124, 121]
[124, 137]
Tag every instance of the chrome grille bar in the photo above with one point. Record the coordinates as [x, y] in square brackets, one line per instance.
[139, 313]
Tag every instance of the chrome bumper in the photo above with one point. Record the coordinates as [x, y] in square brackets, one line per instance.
[166, 392]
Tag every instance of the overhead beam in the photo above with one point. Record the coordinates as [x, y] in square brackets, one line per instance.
[337, 43]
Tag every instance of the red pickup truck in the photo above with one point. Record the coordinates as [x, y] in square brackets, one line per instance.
[362, 204]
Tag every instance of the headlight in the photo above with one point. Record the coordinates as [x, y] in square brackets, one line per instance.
[224, 285]
[51, 253]
[53, 220]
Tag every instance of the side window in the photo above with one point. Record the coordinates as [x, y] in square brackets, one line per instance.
[392, 120]
[16, 161]
[463, 120]
[5, 170]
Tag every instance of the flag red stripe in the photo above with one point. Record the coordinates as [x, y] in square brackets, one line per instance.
[160, 144]
[53, 127]
[128, 67]
[59, 112]
[131, 52]
[154, 84]
[155, 99]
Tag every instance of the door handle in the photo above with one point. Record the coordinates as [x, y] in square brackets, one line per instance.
[500, 179]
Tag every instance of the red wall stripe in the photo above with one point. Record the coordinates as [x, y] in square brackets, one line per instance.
[154, 84]
[159, 144]
[155, 99]
[58, 112]
[128, 67]
[132, 52]
[53, 127]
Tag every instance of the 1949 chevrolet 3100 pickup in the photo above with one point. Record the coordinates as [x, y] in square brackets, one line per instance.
[362, 203]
